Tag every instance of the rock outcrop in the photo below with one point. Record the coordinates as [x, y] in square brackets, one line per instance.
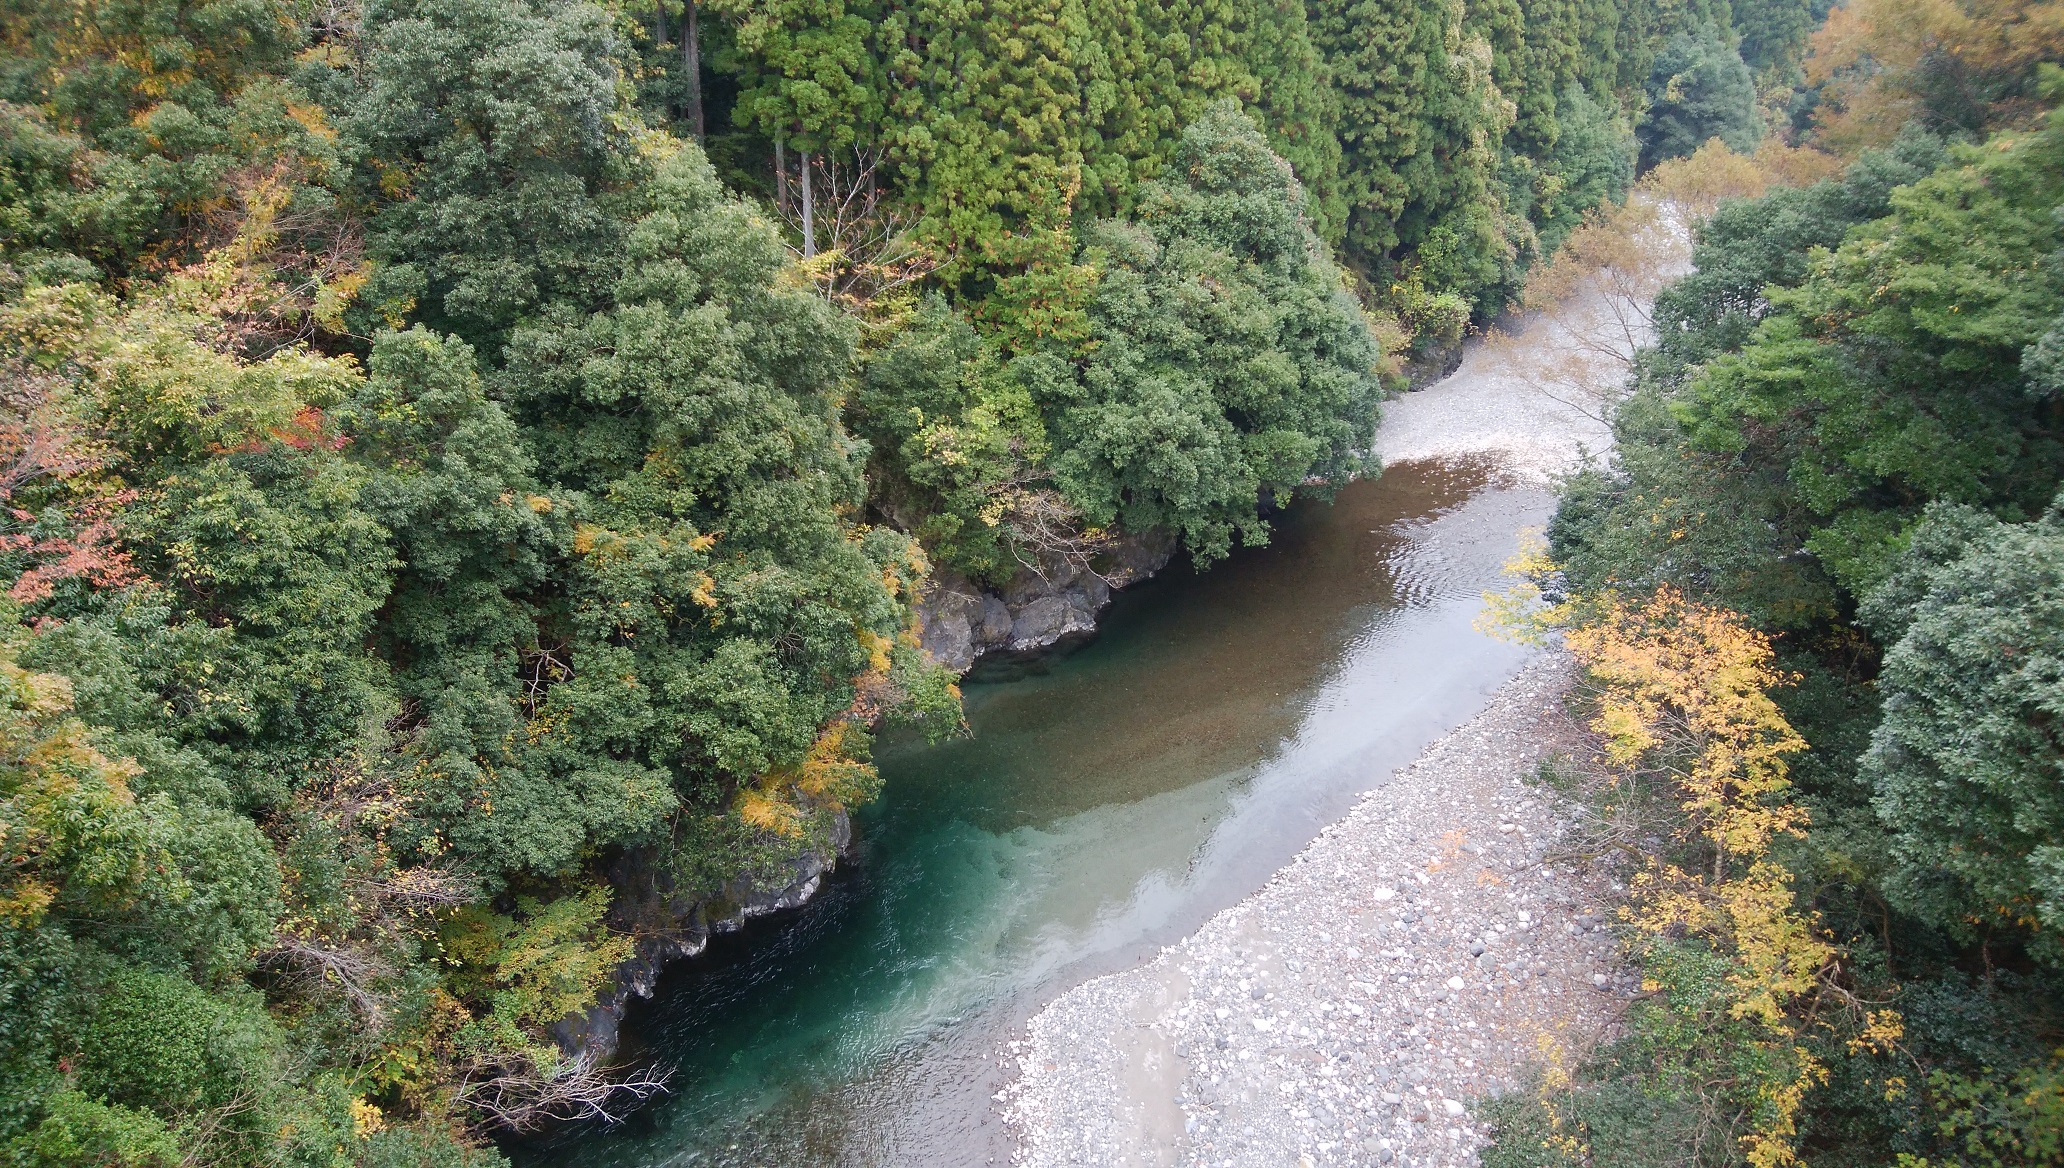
[1437, 362]
[959, 622]
[667, 926]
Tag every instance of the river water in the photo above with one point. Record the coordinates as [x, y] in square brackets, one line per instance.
[1106, 802]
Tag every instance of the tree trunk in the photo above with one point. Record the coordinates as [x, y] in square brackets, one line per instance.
[691, 63]
[809, 222]
[658, 23]
[780, 178]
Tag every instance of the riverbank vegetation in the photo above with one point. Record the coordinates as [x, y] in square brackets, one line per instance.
[1833, 523]
[454, 451]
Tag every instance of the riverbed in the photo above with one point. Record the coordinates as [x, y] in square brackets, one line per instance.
[1106, 803]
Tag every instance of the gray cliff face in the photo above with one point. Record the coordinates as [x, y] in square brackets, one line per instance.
[667, 926]
[959, 622]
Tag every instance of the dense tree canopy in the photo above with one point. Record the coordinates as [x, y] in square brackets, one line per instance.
[1968, 776]
[1699, 89]
[1848, 432]
[1221, 364]
[1225, 362]
[498, 125]
[1425, 137]
[461, 473]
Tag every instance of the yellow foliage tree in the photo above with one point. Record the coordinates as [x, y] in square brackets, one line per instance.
[1735, 970]
[1682, 691]
[68, 823]
[830, 775]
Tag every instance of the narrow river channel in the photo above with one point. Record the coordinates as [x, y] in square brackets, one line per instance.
[1106, 802]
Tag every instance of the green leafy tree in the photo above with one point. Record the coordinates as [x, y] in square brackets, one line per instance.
[717, 608]
[1591, 165]
[489, 137]
[450, 478]
[957, 442]
[1773, 32]
[1845, 428]
[76, 1129]
[1699, 89]
[1966, 769]
[1901, 356]
[1814, 402]
[1227, 359]
[1752, 244]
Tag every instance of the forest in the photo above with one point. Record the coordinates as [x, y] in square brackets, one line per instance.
[1819, 598]
[462, 456]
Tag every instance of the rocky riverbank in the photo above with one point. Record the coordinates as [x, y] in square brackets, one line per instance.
[959, 622]
[1468, 400]
[665, 926]
[1416, 956]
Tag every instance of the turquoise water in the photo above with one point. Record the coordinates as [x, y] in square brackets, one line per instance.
[1106, 802]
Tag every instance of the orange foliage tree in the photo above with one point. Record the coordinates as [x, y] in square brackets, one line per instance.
[1877, 62]
[1595, 296]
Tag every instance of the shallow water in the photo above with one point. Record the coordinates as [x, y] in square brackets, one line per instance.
[1106, 802]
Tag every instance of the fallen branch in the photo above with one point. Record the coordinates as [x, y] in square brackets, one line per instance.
[524, 1096]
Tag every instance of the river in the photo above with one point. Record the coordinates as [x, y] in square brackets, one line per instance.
[1105, 802]
[1109, 800]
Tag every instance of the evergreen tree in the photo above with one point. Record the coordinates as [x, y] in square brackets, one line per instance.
[1699, 89]
[1967, 776]
[1227, 361]
[989, 120]
[1383, 58]
[808, 72]
[1773, 32]
[488, 137]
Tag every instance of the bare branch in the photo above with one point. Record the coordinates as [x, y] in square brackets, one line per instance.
[204, 1128]
[417, 889]
[519, 1095]
[1043, 528]
[865, 248]
[353, 971]
[335, 20]
[1591, 307]
[542, 668]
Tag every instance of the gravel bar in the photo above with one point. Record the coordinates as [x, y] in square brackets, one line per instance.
[1418, 955]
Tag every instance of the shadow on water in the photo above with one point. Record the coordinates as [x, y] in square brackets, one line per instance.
[1106, 802]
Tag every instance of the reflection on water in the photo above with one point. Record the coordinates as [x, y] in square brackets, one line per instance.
[1106, 802]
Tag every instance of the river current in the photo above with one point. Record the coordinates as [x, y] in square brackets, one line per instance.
[1106, 801]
